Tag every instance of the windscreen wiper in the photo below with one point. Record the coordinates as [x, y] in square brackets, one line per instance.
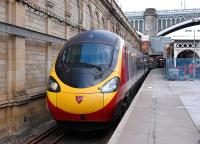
[104, 66]
[92, 65]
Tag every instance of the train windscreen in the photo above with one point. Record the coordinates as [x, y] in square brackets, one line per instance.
[88, 53]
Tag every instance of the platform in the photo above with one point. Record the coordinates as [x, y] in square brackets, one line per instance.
[163, 112]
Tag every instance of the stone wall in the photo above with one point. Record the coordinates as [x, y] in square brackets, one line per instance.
[3, 123]
[37, 65]
[3, 61]
[59, 7]
[69, 17]
[74, 11]
[3, 52]
[35, 68]
[17, 119]
[35, 21]
[54, 53]
[25, 62]
[57, 29]
[3, 8]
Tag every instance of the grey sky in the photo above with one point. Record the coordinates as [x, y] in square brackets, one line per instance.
[140, 5]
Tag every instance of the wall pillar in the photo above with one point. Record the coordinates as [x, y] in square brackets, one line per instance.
[161, 25]
[16, 53]
[150, 26]
[16, 15]
[67, 16]
[49, 59]
[175, 54]
[19, 66]
[108, 23]
[16, 76]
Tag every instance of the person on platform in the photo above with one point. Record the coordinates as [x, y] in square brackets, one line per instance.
[181, 72]
[191, 70]
[185, 71]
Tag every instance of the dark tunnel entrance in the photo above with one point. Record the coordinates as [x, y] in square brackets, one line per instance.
[188, 54]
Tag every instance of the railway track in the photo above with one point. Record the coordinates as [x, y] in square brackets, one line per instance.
[56, 135]
[51, 136]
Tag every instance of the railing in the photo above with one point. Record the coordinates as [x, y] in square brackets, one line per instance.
[178, 11]
[165, 12]
[135, 13]
[183, 69]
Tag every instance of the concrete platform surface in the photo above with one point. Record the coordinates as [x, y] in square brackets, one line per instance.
[163, 112]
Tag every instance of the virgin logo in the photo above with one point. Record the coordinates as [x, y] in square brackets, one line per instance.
[79, 99]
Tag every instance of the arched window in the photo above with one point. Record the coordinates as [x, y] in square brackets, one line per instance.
[164, 24]
[182, 19]
[132, 23]
[168, 22]
[173, 21]
[136, 24]
[113, 29]
[159, 24]
[102, 23]
[87, 16]
[96, 20]
[177, 20]
[141, 26]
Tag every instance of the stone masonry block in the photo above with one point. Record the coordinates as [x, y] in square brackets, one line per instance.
[19, 76]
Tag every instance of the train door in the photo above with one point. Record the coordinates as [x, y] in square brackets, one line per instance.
[124, 71]
[131, 63]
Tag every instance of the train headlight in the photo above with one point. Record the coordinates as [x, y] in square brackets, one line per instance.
[111, 85]
[53, 85]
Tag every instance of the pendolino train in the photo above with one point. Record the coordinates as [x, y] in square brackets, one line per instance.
[92, 78]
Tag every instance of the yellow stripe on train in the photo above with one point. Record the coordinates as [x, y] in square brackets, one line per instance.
[93, 99]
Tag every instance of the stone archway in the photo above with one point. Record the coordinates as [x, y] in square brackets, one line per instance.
[185, 55]
[188, 54]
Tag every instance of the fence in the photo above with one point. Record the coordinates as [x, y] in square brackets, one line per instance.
[182, 69]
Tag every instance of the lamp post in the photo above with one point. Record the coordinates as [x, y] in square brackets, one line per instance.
[184, 4]
[194, 56]
[195, 20]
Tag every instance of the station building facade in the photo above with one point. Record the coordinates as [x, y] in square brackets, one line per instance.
[31, 35]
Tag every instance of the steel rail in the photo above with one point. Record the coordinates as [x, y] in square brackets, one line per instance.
[43, 135]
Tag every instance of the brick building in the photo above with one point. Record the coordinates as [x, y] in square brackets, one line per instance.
[25, 60]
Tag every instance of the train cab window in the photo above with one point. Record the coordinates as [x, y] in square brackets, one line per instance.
[88, 53]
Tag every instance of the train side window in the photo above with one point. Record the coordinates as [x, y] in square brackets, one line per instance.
[131, 53]
[64, 55]
[126, 55]
[125, 51]
[126, 62]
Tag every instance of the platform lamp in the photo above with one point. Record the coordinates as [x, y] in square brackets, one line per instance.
[195, 20]
[194, 56]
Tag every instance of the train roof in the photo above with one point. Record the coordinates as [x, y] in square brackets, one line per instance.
[95, 36]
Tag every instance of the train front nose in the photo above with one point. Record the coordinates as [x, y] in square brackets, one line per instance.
[78, 106]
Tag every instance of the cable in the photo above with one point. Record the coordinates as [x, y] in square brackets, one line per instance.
[52, 15]
[49, 14]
